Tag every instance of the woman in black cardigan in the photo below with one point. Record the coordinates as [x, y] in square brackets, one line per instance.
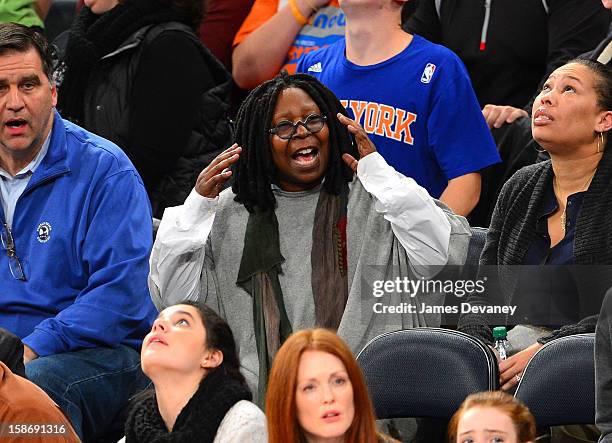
[555, 213]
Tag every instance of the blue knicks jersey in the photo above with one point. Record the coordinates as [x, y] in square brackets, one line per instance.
[418, 107]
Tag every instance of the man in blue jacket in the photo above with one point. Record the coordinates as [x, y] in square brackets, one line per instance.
[75, 228]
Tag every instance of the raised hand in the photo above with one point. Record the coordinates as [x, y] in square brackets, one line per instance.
[364, 144]
[497, 116]
[211, 179]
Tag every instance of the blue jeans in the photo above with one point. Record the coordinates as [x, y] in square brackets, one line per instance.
[92, 386]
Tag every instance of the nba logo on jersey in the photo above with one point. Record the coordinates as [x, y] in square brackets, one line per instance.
[428, 73]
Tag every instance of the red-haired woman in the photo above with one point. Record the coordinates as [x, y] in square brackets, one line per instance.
[317, 392]
[492, 416]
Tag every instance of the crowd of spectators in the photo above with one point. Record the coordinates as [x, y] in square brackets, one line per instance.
[375, 134]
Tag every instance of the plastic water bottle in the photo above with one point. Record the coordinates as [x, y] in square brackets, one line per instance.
[501, 341]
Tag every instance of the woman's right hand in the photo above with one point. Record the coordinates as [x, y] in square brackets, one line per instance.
[211, 179]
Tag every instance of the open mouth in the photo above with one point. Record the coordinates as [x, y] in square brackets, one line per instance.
[156, 340]
[331, 416]
[305, 156]
[541, 117]
[16, 123]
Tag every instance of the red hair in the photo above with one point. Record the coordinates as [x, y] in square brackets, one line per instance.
[523, 421]
[281, 411]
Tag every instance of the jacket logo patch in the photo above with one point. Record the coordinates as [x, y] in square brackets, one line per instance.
[43, 232]
[428, 73]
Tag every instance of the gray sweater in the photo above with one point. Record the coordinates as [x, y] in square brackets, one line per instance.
[402, 232]
[373, 254]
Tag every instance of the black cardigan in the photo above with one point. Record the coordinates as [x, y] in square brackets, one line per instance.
[512, 231]
[524, 43]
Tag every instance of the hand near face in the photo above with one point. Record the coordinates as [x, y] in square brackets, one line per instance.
[211, 179]
[514, 365]
[497, 116]
[364, 144]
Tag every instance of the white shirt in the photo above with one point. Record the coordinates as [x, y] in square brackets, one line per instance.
[185, 229]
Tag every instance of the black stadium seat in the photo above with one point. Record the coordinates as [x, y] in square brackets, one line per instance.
[426, 372]
[558, 384]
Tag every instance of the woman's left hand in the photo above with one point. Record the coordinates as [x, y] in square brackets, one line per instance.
[514, 366]
[364, 144]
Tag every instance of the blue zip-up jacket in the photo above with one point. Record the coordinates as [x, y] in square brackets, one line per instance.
[83, 234]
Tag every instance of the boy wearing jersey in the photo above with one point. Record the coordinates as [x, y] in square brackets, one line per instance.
[414, 98]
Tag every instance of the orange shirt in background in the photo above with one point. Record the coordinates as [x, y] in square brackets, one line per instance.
[324, 28]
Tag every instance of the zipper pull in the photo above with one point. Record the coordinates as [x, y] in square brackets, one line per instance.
[485, 26]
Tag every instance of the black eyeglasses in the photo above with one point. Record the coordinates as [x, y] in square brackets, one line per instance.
[286, 129]
[6, 238]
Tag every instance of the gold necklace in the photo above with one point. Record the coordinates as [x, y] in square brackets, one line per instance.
[557, 190]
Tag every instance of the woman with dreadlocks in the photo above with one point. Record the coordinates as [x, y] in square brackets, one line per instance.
[300, 240]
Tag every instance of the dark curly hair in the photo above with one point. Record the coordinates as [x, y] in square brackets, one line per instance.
[255, 170]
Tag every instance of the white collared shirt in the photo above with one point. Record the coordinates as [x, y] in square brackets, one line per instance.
[11, 187]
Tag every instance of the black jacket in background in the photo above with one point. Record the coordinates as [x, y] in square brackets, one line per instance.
[524, 44]
[595, 53]
[148, 96]
[163, 98]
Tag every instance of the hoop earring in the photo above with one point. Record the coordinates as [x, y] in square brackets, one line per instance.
[600, 142]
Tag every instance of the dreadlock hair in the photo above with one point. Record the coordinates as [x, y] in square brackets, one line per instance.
[255, 170]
